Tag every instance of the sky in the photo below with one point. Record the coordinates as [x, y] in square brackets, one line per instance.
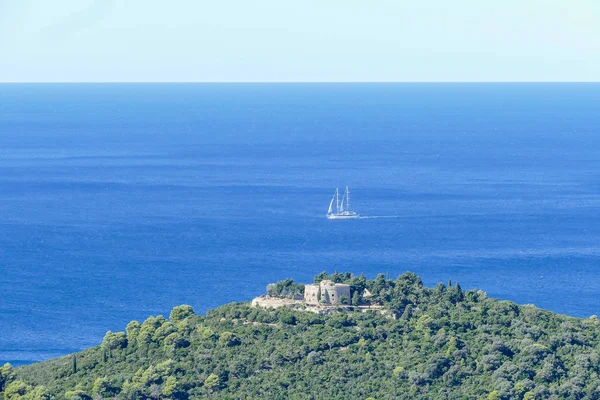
[299, 41]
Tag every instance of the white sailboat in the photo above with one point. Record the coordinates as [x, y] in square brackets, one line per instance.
[342, 211]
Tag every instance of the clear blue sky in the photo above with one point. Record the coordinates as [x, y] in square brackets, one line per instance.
[299, 40]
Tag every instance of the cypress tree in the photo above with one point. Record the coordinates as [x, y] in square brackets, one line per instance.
[460, 296]
[74, 364]
[458, 288]
[355, 299]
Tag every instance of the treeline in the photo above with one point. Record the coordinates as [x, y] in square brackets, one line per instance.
[441, 342]
[285, 288]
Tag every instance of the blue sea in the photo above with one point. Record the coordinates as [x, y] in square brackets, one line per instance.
[120, 201]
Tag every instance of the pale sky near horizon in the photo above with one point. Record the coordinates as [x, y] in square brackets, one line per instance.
[296, 41]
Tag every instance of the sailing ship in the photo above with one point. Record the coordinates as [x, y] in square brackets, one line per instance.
[342, 209]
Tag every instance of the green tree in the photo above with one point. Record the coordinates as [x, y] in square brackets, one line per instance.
[425, 322]
[358, 284]
[171, 387]
[148, 329]
[320, 296]
[176, 341]
[452, 346]
[39, 393]
[163, 331]
[165, 368]
[6, 375]
[133, 330]
[229, 339]
[113, 341]
[211, 383]
[288, 318]
[494, 395]
[356, 299]
[180, 313]
[321, 277]
[15, 390]
[205, 332]
[103, 387]
[77, 394]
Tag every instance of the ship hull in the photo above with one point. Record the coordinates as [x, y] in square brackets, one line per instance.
[343, 216]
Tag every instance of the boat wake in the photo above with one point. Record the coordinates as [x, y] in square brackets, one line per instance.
[379, 216]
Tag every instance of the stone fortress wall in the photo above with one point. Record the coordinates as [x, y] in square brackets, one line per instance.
[335, 293]
[311, 294]
[330, 292]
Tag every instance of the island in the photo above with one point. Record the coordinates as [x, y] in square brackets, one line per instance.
[342, 336]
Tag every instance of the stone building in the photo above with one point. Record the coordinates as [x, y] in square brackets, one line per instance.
[312, 293]
[327, 292]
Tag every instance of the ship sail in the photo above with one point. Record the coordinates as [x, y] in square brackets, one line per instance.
[330, 206]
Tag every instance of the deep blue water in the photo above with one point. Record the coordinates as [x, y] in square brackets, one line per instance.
[121, 201]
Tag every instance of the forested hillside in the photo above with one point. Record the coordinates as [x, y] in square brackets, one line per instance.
[434, 343]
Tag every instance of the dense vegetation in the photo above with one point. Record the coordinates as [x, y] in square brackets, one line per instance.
[442, 343]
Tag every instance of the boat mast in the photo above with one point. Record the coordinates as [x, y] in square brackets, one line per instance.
[337, 201]
[347, 198]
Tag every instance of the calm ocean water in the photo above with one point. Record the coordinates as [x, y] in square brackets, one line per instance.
[121, 201]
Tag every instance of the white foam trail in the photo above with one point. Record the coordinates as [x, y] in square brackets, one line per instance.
[379, 216]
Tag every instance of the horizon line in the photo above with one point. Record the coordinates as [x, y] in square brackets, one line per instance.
[287, 82]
